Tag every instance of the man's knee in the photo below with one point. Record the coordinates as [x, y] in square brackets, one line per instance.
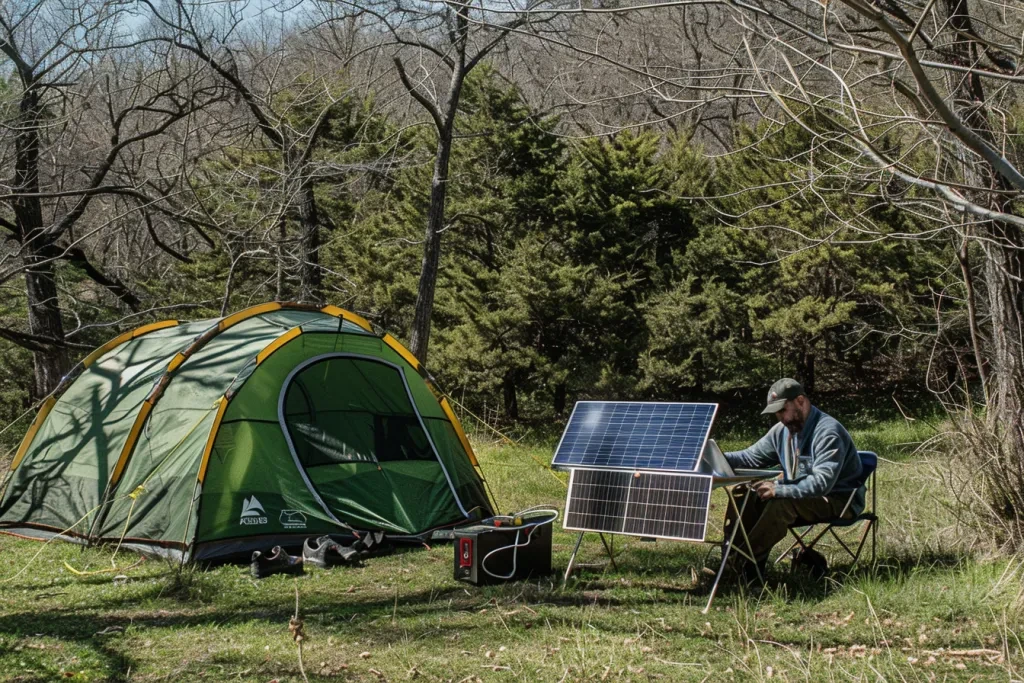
[782, 509]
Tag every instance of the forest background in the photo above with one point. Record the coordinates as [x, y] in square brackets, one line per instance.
[607, 202]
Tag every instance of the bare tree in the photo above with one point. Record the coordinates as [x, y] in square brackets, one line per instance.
[260, 70]
[84, 98]
[433, 47]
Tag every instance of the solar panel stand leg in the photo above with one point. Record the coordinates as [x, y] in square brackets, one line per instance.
[572, 558]
[727, 547]
[611, 553]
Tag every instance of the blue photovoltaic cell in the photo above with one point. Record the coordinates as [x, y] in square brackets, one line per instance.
[635, 436]
[652, 504]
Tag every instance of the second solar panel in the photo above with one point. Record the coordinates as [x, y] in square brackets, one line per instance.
[671, 506]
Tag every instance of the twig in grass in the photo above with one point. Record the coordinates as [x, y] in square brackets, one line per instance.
[979, 652]
[1007, 577]
[295, 626]
[665, 661]
[498, 612]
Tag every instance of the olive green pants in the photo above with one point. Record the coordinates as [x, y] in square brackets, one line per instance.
[767, 521]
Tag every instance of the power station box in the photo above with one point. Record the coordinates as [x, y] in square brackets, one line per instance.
[485, 553]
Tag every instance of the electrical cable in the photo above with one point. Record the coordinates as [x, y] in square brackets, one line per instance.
[520, 528]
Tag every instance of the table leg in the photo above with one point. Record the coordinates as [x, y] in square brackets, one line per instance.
[750, 547]
[727, 546]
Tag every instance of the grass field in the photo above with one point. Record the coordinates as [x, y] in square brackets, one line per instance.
[929, 610]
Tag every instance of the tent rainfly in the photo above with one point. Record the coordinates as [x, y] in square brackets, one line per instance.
[207, 440]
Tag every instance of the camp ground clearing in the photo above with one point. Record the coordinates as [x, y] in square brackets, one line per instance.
[932, 609]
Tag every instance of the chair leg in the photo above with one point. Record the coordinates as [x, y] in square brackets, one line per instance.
[817, 538]
[868, 527]
[840, 541]
[798, 542]
[863, 540]
[874, 540]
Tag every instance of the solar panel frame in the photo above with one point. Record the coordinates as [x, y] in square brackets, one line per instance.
[652, 462]
[623, 513]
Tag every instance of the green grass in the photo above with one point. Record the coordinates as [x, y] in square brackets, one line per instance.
[926, 598]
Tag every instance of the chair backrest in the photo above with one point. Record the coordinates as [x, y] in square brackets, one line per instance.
[868, 464]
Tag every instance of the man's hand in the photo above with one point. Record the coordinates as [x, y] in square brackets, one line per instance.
[765, 489]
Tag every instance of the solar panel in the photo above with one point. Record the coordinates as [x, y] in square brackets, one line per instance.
[651, 504]
[635, 436]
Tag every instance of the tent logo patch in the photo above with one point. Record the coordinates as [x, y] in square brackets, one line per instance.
[252, 512]
[292, 519]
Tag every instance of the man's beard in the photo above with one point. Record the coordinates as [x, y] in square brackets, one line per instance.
[794, 425]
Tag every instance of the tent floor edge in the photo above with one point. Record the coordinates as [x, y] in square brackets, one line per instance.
[141, 546]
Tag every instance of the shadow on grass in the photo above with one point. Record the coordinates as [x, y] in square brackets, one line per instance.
[799, 584]
[675, 578]
[109, 625]
[28, 665]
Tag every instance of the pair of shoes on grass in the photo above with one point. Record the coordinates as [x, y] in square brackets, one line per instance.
[325, 552]
[277, 561]
[322, 552]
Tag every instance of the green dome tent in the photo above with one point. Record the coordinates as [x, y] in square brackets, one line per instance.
[210, 439]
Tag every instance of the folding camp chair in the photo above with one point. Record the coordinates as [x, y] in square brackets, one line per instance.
[869, 463]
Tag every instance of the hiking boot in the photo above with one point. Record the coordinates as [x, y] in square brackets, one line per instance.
[276, 562]
[370, 542]
[325, 552]
[750, 572]
[811, 560]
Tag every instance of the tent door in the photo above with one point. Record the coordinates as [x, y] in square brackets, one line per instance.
[340, 408]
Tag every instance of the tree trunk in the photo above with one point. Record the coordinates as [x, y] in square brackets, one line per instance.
[1003, 267]
[282, 238]
[560, 397]
[510, 397]
[805, 371]
[44, 319]
[972, 314]
[310, 277]
[698, 374]
[1004, 275]
[444, 120]
[435, 223]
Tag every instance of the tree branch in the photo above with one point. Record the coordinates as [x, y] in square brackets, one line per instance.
[114, 285]
[418, 96]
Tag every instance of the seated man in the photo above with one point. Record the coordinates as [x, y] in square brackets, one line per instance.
[820, 467]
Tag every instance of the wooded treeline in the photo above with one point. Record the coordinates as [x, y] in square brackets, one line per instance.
[547, 200]
[626, 266]
[182, 161]
[459, 173]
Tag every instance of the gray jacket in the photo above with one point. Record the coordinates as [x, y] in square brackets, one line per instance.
[827, 461]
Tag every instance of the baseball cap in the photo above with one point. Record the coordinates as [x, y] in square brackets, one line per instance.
[784, 390]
